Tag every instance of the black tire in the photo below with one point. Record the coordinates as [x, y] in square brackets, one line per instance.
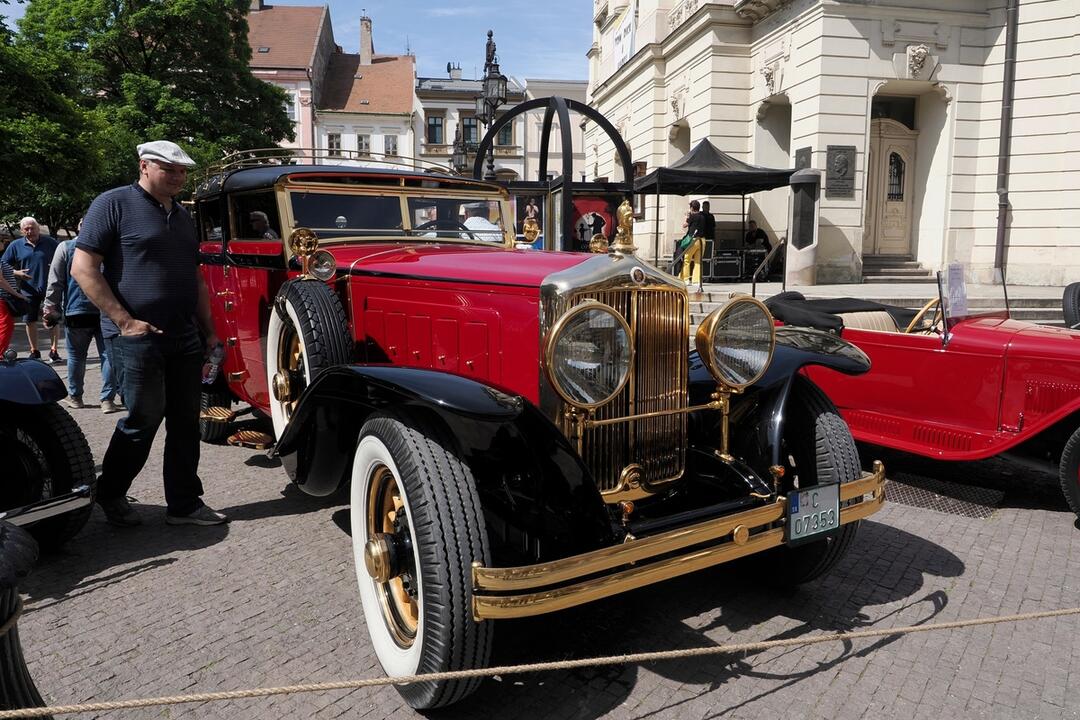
[825, 455]
[45, 455]
[1069, 471]
[214, 432]
[444, 524]
[310, 312]
[1070, 305]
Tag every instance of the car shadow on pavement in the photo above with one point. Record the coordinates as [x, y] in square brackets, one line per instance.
[291, 501]
[885, 566]
[80, 565]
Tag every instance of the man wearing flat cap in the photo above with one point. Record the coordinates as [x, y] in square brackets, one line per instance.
[136, 258]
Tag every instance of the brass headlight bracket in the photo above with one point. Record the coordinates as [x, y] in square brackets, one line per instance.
[721, 400]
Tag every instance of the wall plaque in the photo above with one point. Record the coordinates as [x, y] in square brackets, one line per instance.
[840, 171]
[802, 158]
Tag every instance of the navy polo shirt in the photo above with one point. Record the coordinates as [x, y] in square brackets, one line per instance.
[35, 259]
[150, 257]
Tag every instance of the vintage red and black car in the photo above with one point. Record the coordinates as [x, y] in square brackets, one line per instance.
[523, 431]
[952, 381]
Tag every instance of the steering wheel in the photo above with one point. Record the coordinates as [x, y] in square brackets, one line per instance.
[445, 225]
[934, 305]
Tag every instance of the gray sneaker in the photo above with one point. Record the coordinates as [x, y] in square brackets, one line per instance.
[205, 515]
[74, 402]
[118, 511]
[108, 406]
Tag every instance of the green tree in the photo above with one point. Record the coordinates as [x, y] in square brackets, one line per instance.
[160, 69]
[49, 145]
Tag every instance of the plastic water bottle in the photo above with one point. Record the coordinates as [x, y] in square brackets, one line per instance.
[213, 364]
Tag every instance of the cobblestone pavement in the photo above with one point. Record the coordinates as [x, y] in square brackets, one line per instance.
[270, 600]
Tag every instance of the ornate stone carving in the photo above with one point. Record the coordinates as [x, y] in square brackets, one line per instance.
[678, 103]
[681, 12]
[769, 73]
[917, 55]
[757, 10]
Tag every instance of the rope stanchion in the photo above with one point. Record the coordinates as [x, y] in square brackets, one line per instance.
[632, 658]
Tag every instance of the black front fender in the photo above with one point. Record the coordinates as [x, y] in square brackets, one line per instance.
[30, 382]
[796, 348]
[539, 499]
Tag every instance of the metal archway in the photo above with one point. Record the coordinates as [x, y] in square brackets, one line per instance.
[558, 106]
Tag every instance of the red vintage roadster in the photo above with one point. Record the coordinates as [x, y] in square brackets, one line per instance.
[952, 382]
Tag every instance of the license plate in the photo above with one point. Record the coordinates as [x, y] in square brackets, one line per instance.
[812, 512]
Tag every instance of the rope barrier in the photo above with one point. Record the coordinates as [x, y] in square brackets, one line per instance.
[10, 623]
[632, 658]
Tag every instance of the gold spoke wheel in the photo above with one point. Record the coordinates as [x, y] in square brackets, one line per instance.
[384, 515]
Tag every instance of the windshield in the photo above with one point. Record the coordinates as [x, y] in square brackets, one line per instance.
[334, 215]
[456, 218]
[966, 293]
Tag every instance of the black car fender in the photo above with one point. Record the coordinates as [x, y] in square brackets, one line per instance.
[539, 499]
[30, 382]
[796, 348]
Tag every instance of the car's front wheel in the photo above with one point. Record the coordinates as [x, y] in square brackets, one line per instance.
[1069, 471]
[417, 527]
[308, 332]
[819, 450]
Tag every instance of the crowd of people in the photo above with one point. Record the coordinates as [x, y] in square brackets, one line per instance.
[129, 282]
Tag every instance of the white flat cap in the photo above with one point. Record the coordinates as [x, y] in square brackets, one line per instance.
[165, 151]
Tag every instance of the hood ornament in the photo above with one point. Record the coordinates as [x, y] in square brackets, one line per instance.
[624, 235]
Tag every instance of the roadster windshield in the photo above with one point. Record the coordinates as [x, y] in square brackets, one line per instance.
[966, 293]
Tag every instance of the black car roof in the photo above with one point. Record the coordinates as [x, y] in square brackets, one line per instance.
[265, 176]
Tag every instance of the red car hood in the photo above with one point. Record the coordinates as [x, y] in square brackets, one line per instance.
[464, 263]
[1044, 341]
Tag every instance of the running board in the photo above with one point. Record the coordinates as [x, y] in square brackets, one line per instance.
[78, 498]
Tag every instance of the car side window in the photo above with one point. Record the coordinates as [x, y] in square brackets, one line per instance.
[255, 216]
[209, 217]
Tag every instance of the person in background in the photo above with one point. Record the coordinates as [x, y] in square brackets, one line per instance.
[31, 256]
[691, 257]
[9, 293]
[137, 259]
[708, 222]
[82, 323]
[260, 224]
[756, 237]
[476, 219]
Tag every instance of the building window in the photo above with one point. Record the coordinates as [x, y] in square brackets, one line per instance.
[390, 144]
[470, 130]
[435, 129]
[290, 104]
[506, 134]
[333, 144]
[363, 144]
[896, 178]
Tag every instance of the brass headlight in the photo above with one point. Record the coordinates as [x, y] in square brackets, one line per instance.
[589, 354]
[736, 342]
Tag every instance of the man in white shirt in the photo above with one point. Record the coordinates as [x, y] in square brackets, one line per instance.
[476, 220]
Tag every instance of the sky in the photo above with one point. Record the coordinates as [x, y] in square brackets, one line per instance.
[535, 39]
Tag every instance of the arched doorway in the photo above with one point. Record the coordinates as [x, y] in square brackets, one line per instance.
[890, 194]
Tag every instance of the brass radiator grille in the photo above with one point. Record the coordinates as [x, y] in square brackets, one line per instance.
[659, 320]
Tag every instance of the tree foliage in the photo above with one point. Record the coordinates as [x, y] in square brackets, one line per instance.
[108, 74]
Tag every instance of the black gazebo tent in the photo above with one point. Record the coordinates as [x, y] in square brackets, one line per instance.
[705, 170]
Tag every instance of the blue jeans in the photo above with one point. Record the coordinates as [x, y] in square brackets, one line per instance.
[78, 344]
[162, 377]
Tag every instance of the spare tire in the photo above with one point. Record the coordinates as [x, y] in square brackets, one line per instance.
[1070, 305]
[308, 333]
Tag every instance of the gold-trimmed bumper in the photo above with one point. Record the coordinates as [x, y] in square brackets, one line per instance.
[520, 591]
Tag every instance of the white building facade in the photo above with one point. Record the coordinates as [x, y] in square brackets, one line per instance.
[899, 106]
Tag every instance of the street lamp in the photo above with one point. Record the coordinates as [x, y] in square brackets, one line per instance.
[494, 95]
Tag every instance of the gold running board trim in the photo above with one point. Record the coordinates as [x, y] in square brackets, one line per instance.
[545, 574]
